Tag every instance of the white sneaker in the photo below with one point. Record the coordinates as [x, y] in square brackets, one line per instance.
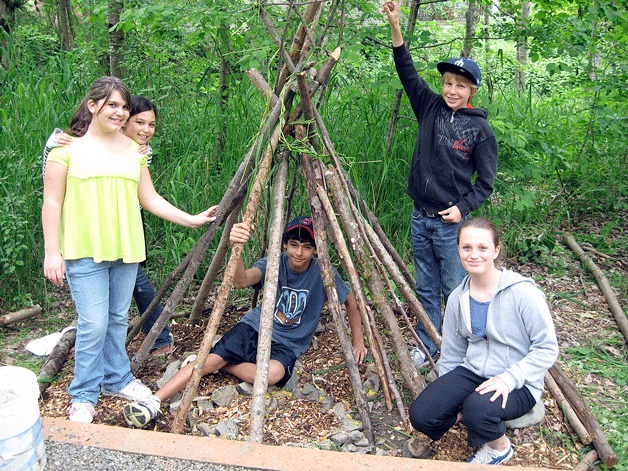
[134, 391]
[82, 412]
[486, 455]
[418, 357]
[138, 414]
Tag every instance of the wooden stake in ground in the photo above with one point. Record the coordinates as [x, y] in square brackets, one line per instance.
[611, 299]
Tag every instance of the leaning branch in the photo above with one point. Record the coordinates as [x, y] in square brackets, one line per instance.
[603, 283]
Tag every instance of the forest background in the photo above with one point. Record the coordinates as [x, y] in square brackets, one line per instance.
[554, 81]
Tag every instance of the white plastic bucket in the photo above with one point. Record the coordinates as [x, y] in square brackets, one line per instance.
[21, 436]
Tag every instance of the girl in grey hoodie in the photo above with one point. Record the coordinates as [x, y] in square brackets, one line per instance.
[498, 342]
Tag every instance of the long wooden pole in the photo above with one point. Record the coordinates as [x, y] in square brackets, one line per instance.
[225, 288]
[214, 267]
[568, 412]
[602, 281]
[570, 390]
[376, 286]
[258, 401]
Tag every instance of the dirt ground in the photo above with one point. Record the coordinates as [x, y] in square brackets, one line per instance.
[580, 318]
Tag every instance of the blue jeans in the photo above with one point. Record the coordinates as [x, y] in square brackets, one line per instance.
[144, 293]
[437, 267]
[102, 295]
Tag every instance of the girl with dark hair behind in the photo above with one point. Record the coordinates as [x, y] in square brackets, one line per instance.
[93, 234]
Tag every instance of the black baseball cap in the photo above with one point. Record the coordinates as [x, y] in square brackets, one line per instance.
[462, 66]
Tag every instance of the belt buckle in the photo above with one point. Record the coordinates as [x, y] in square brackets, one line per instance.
[428, 214]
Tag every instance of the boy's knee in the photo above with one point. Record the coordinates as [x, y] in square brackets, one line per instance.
[276, 372]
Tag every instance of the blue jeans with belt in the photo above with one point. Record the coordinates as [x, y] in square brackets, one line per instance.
[437, 266]
[144, 293]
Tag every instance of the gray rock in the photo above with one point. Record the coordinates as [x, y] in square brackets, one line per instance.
[226, 429]
[339, 410]
[204, 403]
[174, 406]
[204, 428]
[171, 370]
[350, 425]
[244, 388]
[362, 442]
[533, 417]
[224, 396]
[326, 445]
[340, 438]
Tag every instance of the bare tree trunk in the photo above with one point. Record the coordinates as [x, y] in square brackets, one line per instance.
[116, 36]
[223, 91]
[66, 32]
[488, 81]
[471, 21]
[522, 47]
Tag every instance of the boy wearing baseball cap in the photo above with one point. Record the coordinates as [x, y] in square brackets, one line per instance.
[298, 304]
[455, 143]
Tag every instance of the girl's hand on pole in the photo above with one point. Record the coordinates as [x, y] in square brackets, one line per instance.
[497, 386]
[205, 217]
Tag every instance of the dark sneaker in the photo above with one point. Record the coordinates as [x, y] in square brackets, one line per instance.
[486, 455]
[139, 414]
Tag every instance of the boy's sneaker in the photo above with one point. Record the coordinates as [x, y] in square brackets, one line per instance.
[138, 414]
[134, 391]
[486, 455]
[82, 412]
[418, 357]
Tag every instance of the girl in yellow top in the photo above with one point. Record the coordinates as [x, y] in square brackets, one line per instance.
[93, 234]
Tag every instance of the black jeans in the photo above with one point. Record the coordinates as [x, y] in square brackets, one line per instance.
[435, 410]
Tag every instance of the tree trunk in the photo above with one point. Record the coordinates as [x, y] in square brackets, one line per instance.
[522, 48]
[57, 358]
[116, 36]
[66, 32]
[471, 21]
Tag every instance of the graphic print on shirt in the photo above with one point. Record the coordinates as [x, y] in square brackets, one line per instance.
[290, 306]
[459, 136]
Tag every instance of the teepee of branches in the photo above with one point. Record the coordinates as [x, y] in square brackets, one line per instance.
[375, 271]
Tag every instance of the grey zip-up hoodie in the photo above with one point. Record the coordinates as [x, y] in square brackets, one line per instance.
[520, 344]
